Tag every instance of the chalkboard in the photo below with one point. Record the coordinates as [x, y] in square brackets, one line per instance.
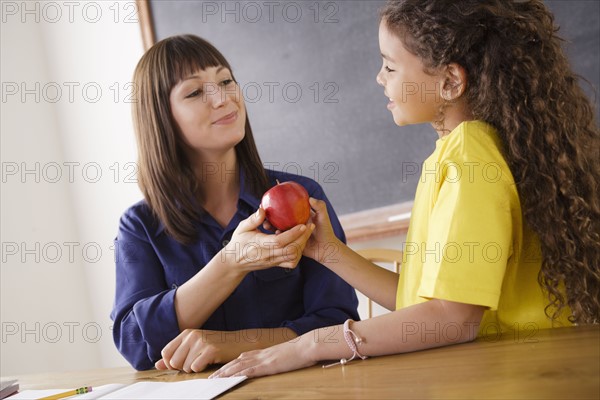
[307, 71]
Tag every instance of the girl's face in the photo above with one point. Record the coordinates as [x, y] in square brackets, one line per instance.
[415, 96]
[209, 110]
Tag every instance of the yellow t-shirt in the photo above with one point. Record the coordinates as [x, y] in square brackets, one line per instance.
[467, 241]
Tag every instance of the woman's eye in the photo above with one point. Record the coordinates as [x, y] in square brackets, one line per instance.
[387, 69]
[195, 93]
[226, 82]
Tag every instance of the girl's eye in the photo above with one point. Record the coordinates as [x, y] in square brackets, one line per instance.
[195, 93]
[226, 82]
[387, 69]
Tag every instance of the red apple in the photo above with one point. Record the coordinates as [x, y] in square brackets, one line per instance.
[286, 205]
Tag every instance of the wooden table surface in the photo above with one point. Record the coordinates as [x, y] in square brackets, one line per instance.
[561, 363]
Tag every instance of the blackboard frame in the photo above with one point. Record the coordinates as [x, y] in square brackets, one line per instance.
[146, 23]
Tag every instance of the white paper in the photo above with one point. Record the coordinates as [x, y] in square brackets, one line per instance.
[193, 389]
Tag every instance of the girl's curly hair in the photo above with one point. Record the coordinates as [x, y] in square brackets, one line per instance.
[520, 81]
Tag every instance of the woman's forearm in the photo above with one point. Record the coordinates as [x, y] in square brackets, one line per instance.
[249, 250]
[198, 298]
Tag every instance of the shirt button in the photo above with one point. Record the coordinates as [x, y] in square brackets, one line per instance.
[173, 286]
[225, 242]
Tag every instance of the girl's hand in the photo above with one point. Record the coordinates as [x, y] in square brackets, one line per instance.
[194, 349]
[323, 242]
[250, 249]
[273, 360]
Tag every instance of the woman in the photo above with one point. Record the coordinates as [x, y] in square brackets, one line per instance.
[198, 282]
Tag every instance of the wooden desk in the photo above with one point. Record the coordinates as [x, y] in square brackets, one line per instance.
[551, 364]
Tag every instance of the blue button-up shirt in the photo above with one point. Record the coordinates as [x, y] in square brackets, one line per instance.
[150, 265]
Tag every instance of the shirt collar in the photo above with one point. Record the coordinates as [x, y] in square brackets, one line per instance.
[246, 197]
[247, 202]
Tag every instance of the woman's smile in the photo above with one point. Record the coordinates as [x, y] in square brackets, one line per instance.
[227, 119]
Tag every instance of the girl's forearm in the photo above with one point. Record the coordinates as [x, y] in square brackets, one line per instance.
[256, 339]
[375, 282]
[434, 323]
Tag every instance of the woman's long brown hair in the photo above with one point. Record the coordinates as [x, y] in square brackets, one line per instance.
[165, 176]
[520, 82]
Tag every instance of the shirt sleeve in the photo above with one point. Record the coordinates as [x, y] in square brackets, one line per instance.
[143, 314]
[469, 242]
[328, 299]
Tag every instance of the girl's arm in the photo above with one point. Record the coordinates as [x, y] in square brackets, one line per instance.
[375, 282]
[434, 323]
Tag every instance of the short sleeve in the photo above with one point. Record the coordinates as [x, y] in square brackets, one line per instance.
[470, 239]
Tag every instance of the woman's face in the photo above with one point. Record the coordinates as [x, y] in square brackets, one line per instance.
[209, 110]
[414, 96]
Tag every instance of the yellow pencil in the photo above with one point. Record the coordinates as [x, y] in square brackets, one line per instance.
[73, 392]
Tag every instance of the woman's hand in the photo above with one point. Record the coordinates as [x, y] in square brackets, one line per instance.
[194, 349]
[323, 244]
[273, 360]
[250, 249]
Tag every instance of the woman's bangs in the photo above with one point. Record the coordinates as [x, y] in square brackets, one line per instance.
[190, 57]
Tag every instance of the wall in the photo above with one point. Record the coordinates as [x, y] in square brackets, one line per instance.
[66, 120]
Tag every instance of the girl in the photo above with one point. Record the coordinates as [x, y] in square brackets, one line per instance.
[505, 227]
[196, 278]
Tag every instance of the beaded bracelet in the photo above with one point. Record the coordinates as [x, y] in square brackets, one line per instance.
[352, 339]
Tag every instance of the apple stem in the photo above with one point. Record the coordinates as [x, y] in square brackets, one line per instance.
[277, 180]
